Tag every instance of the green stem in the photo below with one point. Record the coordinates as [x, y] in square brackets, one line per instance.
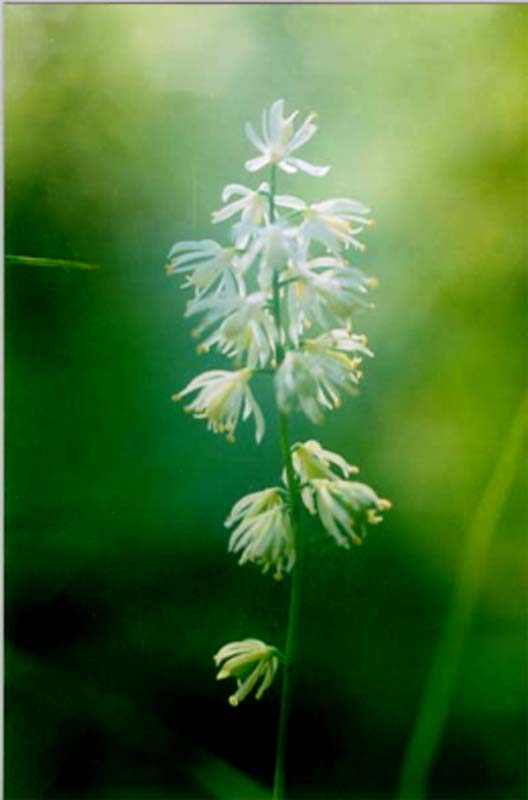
[294, 502]
[293, 617]
[434, 707]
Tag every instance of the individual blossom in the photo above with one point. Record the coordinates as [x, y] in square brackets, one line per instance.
[324, 290]
[263, 532]
[246, 328]
[253, 206]
[335, 344]
[248, 662]
[206, 265]
[314, 377]
[280, 139]
[223, 397]
[335, 223]
[273, 247]
[345, 508]
[311, 461]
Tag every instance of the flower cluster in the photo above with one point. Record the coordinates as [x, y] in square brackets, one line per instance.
[305, 248]
[280, 297]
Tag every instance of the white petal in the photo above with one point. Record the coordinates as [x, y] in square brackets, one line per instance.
[275, 120]
[253, 138]
[203, 244]
[227, 211]
[288, 201]
[254, 164]
[341, 205]
[303, 135]
[234, 188]
[310, 169]
[287, 167]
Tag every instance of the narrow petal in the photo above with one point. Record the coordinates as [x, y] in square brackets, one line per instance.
[253, 138]
[203, 244]
[254, 164]
[234, 188]
[310, 169]
[289, 201]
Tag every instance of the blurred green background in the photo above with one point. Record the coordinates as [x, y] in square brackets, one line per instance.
[123, 123]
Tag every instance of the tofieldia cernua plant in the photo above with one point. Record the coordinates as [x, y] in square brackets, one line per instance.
[279, 300]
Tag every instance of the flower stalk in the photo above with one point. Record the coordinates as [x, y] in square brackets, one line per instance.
[276, 307]
[295, 589]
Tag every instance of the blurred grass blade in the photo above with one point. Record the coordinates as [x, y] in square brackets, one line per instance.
[434, 707]
[34, 261]
[222, 781]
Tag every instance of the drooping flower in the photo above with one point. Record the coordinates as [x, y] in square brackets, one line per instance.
[334, 223]
[248, 662]
[279, 140]
[310, 461]
[313, 377]
[345, 508]
[274, 245]
[206, 265]
[325, 291]
[246, 327]
[263, 533]
[253, 205]
[336, 343]
[223, 397]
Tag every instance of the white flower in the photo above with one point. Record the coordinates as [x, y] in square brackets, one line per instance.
[207, 265]
[248, 661]
[313, 377]
[335, 344]
[296, 384]
[279, 140]
[345, 508]
[254, 207]
[246, 329]
[310, 461]
[223, 396]
[324, 290]
[273, 247]
[264, 533]
[334, 223]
